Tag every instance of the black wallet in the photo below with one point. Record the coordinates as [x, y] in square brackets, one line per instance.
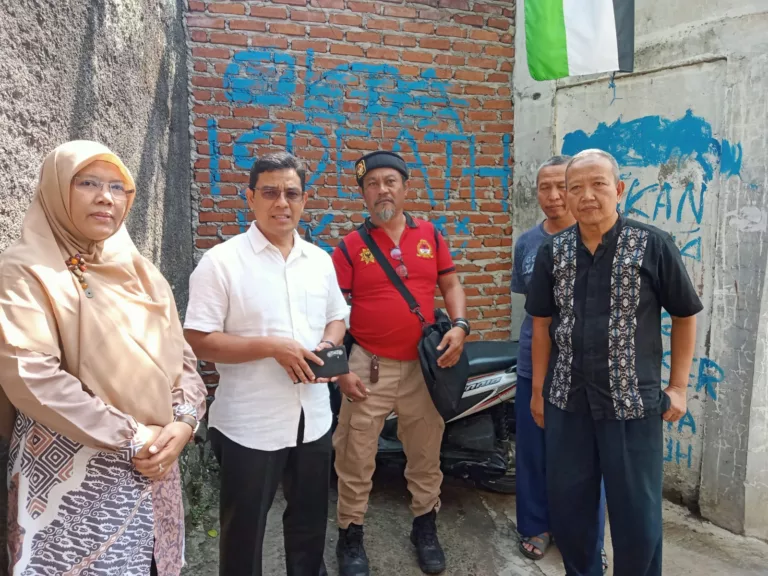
[334, 363]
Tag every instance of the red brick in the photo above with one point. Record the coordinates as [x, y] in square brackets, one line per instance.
[409, 70]
[498, 77]
[406, 41]
[195, 6]
[378, 24]
[325, 32]
[307, 16]
[507, 67]
[330, 63]
[362, 7]
[421, 57]
[269, 12]
[251, 112]
[484, 35]
[250, 25]
[226, 8]
[481, 115]
[328, 4]
[400, 12]
[235, 124]
[431, 15]
[502, 51]
[207, 82]
[455, 4]
[470, 75]
[479, 90]
[288, 29]
[472, 47]
[201, 67]
[291, 2]
[202, 95]
[471, 19]
[309, 45]
[217, 217]
[435, 43]
[451, 31]
[345, 50]
[346, 20]
[371, 37]
[269, 42]
[381, 53]
[227, 38]
[207, 230]
[450, 60]
[203, 22]
[500, 23]
[211, 110]
[487, 8]
[198, 36]
[222, 53]
[507, 38]
[419, 27]
[433, 3]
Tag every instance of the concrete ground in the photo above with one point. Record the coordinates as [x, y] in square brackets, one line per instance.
[477, 530]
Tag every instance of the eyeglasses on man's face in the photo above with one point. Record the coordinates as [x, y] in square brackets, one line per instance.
[272, 193]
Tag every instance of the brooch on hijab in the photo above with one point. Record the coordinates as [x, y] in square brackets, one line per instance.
[77, 266]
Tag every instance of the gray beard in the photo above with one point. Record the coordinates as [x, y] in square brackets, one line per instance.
[385, 214]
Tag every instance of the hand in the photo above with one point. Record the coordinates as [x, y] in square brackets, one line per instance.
[677, 403]
[537, 409]
[352, 387]
[324, 345]
[292, 356]
[453, 344]
[164, 451]
[147, 435]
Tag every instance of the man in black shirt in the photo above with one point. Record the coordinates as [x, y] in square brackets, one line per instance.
[596, 297]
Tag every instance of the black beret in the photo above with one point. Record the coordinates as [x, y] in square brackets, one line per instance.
[380, 159]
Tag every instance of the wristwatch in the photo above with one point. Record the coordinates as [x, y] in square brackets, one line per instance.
[462, 323]
[187, 419]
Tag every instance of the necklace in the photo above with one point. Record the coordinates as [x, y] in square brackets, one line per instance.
[78, 267]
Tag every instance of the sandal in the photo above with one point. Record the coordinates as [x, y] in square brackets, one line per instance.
[538, 550]
[605, 560]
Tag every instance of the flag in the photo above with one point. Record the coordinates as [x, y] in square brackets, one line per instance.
[573, 37]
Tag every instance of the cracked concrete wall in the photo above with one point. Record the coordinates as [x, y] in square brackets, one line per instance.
[689, 129]
[110, 71]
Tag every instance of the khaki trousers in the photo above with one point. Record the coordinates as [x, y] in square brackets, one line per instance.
[401, 387]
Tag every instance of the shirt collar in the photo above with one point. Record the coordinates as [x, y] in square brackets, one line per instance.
[409, 221]
[259, 242]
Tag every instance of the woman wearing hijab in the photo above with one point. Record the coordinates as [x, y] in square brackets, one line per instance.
[106, 393]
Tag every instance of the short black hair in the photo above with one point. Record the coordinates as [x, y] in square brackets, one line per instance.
[277, 161]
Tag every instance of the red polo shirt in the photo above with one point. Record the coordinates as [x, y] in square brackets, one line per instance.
[381, 321]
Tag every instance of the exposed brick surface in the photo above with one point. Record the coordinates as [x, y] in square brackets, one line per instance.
[333, 79]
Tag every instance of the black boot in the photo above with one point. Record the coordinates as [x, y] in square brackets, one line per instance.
[424, 537]
[351, 553]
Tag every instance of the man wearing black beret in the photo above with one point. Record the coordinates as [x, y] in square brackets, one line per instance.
[385, 371]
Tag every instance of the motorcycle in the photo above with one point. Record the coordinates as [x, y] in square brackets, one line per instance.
[477, 443]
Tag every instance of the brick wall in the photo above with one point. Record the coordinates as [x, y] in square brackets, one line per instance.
[333, 79]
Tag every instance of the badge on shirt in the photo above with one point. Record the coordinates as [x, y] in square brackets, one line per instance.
[424, 250]
[360, 169]
[366, 257]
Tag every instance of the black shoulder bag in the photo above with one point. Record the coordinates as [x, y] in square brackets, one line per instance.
[445, 385]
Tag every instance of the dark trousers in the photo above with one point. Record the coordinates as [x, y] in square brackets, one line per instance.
[629, 457]
[530, 470]
[249, 480]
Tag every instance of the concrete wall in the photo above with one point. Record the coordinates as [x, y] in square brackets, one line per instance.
[688, 128]
[109, 71]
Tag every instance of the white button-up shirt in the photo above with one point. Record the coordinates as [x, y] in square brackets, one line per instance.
[245, 287]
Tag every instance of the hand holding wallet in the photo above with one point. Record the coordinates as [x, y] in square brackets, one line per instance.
[334, 362]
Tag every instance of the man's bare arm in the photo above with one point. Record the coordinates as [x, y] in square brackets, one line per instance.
[541, 348]
[453, 294]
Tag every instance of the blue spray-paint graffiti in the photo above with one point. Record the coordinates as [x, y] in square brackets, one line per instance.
[368, 97]
[687, 156]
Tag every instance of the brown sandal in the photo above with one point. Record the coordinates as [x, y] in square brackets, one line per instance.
[538, 551]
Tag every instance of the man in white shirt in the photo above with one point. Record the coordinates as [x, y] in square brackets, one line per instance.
[259, 304]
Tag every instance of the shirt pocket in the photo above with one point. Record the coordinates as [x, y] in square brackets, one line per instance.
[316, 306]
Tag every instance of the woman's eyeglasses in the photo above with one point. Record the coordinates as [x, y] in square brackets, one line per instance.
[91, 185]
[401, 269]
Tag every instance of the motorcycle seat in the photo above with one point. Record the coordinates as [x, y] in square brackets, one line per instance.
[490, 356]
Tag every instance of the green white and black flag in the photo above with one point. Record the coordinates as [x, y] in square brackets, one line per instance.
[574, 37]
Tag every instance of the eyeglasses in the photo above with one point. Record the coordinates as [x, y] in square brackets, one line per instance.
[401, 269]
[91, 185]
[271, 193]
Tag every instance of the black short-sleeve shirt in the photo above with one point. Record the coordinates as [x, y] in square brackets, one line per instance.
[606, 317]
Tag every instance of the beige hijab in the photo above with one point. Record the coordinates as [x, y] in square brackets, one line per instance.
[126, 343]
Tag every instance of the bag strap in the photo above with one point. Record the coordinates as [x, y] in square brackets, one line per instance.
[413, 305]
